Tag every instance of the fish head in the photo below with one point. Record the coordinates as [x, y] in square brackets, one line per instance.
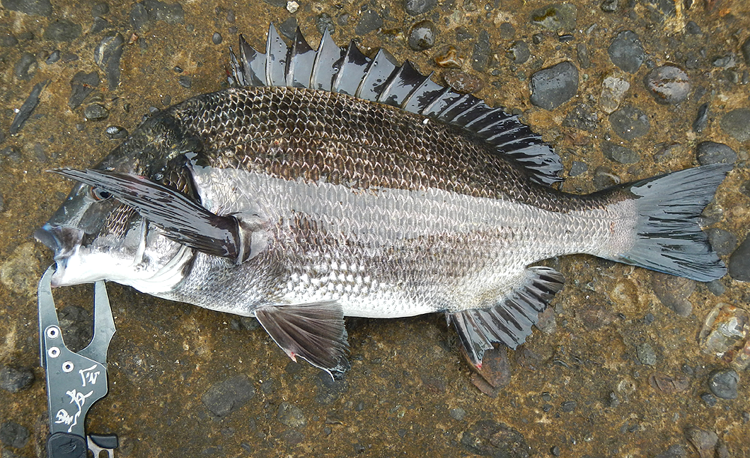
[96, 237]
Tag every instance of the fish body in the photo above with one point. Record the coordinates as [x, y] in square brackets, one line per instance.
[300, 198]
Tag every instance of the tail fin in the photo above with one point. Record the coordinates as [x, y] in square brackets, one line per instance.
[669, 238]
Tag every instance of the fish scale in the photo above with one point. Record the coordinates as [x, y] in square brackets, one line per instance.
[302, 205]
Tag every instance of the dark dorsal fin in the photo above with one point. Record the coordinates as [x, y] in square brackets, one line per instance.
[381, 79]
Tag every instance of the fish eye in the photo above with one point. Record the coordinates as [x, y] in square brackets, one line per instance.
[100, 194]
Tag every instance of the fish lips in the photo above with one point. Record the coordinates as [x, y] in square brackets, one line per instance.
[64, 241]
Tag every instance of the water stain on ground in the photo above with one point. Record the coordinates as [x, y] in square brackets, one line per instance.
[618, 372]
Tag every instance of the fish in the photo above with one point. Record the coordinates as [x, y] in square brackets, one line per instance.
[326, 184]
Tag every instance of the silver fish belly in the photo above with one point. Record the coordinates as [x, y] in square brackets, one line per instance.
[300, 198]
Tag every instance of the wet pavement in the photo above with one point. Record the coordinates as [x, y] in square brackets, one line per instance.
[626, 362]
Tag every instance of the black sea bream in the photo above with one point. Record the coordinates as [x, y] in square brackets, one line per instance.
[328, 184]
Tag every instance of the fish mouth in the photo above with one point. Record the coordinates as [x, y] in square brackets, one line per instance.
[64, 241]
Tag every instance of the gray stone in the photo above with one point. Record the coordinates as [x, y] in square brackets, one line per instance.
[458, 413]
[62, 30]
[673, 292]
[324, 22]
[737, 124]
[291, 416]
[723, 242]
[216, 38]
[739, 262]
[723, 383]
[746, 51]
[99, 9]
[619, 153]
[726, 61]
[583, 55]
[150, 11]
[369, 21]
[480, 56]
[26, 67]
[95, 112]
[15, 380]
[609, 6]
[553, 86]
[518, 52]
[701, 118]
[646, 354]
[614, 88]
[27, 108]
[228, 396]
[626, 51]
[675, 451]
[669, 84]
[81, 86]
[107, 56]
[715, 153]
[31, 7]
[491, 438]
[578, 168]
[583, 117]
[422, 35]
[416, 7]
[14, 435]
[629, 123]
[556, 17]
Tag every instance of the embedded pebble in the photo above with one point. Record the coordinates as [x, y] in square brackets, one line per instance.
[701, 118]
[723, 383]
[739, 262]
[458, 413]
[14, 435]
[449, 58]
[668, 384]
[619, 153]
[555, 17]
[491, 438]
[675, 451]
[518, 52]
[26, 66]
[583, 55]
[62, 30]
[737, 124]
[578, 168]
[507, 31]
[416, 7]
[422, 36]
[27, 108]
[34, 7]
[229, 395]
[613, 91]
[673, 292]
[715, 153]
[324, 22]
[369, 21]
[725, 61]
[723, 242]
[291, 415]
[107, 56]
[53, 57]
[95, 112]
[216, 38]
[553, 86]
[626, 51]
[481, 53]
[709, 399]
[629, 122]
[99, 9]
[609, 6]
[703, 440]
[15, 380]
[726, 334]
[668, 84]
[583, 117]
[329, 389]
[185, 81]
[746, 51]
[462, 82]
[646, 354]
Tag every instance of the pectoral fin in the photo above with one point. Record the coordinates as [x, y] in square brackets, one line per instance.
[314, 332]
[509, 322]
[183, 219]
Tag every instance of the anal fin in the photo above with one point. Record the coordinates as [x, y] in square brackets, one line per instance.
[314, 332]
[510, 320]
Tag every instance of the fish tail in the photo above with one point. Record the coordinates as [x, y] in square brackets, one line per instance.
[665, 213]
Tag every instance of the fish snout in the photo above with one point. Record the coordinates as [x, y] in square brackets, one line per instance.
[62, 240]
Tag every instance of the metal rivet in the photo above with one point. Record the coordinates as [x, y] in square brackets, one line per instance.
[53, 352]
[53, 333]
[67, 366]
